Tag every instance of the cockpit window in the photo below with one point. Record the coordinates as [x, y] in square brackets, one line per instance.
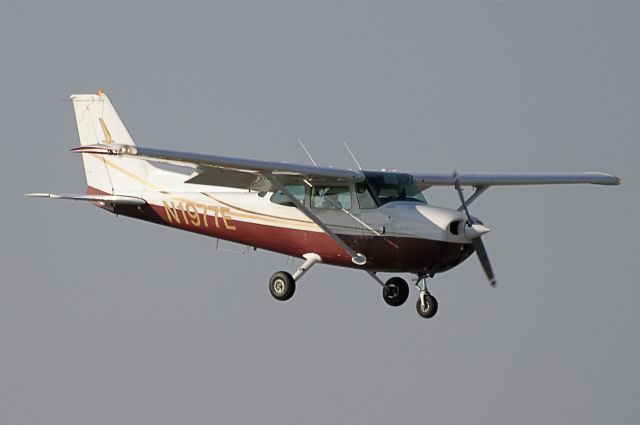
[331, 197]
[389, 187]
[365, 199]
[281, 199]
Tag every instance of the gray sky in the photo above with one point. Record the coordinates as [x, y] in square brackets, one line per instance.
[107, 320]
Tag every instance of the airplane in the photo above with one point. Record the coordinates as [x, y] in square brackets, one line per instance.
[376, 221]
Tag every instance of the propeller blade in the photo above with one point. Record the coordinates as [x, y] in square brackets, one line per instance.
[456, 184]
[474, 231]
[484, 260]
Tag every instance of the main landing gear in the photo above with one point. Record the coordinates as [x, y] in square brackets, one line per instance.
[282, 285]
[395, 291]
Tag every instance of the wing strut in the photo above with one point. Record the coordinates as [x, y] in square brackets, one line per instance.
[356, 257]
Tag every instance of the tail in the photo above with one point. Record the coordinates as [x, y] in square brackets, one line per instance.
[98, 122]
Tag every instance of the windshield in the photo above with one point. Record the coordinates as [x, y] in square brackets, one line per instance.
[389, 187]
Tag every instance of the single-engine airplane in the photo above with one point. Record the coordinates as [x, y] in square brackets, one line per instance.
[377, 221]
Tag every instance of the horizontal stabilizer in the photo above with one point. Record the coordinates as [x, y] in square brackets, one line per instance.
[105, 199]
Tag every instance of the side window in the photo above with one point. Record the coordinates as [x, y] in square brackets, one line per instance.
[365, 199]
[282, 199]
[331, 197]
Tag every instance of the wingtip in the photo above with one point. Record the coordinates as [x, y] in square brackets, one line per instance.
[104, 149]
[609, 179]
[97, 149]
[614, 180]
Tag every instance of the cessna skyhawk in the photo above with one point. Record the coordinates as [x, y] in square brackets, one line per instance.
[376, 221]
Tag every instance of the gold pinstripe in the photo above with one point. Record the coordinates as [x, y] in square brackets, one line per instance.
[105, 130]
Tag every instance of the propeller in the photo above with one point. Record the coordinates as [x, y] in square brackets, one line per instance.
[474, 231]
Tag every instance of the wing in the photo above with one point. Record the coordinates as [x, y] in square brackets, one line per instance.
[228, 171]
[427, 180]
[254, 173]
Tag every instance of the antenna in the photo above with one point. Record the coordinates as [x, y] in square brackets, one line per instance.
[352, 156]
[307, 152]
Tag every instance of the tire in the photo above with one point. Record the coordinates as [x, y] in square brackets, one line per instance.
[282, 286]
[431, 306]
[395, 291]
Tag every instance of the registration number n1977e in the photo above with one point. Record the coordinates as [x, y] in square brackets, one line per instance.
[187, 213]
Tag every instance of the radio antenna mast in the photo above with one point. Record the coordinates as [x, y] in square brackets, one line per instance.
[352, 156]
[307, 152]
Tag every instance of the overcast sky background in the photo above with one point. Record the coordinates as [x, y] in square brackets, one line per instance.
[105, 320]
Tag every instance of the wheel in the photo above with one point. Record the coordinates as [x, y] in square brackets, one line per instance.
[395, 291]
[430, 307]
[282, 286]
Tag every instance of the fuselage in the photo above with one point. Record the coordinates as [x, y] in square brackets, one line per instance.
[401, 236]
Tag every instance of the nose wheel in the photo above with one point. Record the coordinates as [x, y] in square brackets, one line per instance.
[427, 305]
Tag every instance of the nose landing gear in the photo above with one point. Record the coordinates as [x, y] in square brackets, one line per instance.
[427, 305]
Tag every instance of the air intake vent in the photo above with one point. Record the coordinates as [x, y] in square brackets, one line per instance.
[454, 227]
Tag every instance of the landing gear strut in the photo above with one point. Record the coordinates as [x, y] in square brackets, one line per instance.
[427, 305]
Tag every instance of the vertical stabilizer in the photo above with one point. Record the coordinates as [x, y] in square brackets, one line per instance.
[99, 123]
